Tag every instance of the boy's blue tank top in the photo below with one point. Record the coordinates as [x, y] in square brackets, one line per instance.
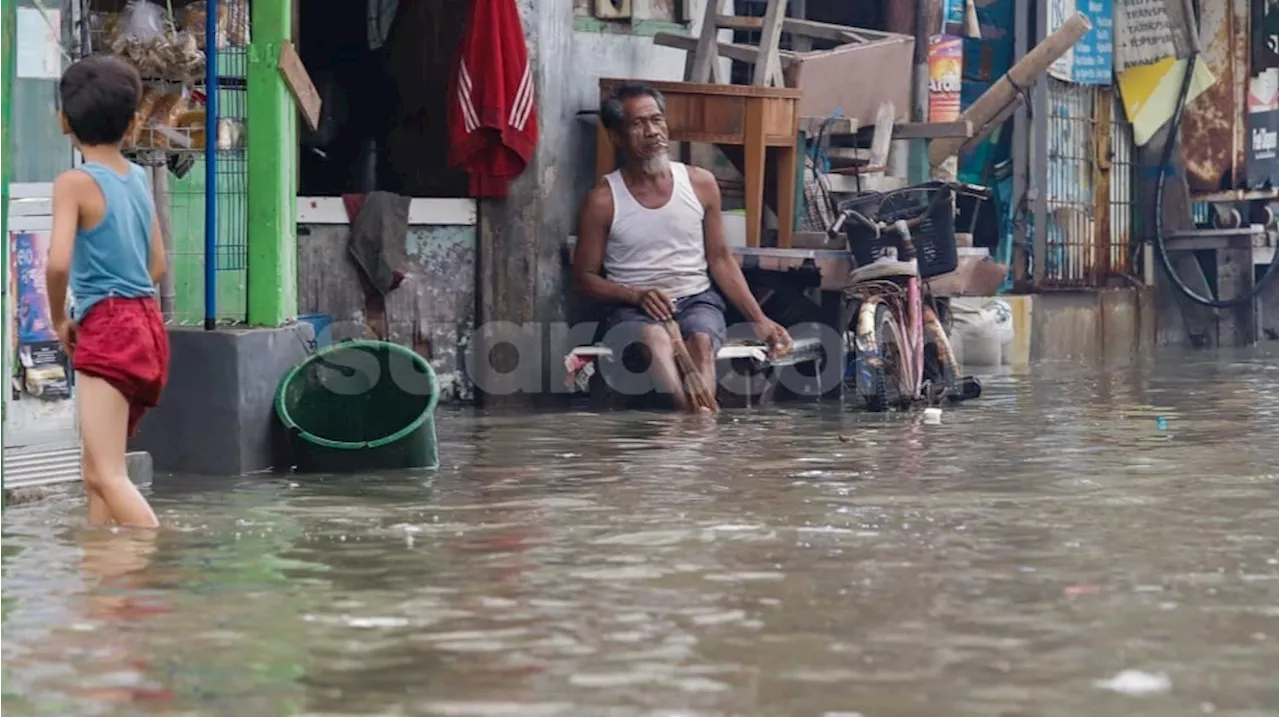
[113, 258]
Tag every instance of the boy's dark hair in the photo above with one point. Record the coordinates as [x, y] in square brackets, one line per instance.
[612, 113]
[99, 96]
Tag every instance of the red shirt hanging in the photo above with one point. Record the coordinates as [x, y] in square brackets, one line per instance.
[493, 122]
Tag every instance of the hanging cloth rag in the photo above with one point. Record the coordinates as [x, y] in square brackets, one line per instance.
[379, 225]
[493, 122]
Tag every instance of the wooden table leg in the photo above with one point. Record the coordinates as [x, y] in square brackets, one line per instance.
[786, 202]
[753, 151]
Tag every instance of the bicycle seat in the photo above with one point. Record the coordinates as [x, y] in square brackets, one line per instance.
[884, 269]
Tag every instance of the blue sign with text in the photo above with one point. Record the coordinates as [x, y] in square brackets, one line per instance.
[1090, 61]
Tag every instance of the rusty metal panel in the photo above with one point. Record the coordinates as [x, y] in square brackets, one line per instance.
[433, 312]
[1213, 126]
[1089, 187]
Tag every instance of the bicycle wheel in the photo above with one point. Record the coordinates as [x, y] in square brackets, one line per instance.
[880, 372]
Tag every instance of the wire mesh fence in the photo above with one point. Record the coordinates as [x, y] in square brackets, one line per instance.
[1088, 187]
[189, 192]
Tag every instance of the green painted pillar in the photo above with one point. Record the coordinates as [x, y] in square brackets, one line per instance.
[271, 137]
[8, 53]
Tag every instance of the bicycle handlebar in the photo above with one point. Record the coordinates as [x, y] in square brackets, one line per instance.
[944, 192]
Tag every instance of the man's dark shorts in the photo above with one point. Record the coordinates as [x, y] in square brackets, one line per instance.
[698, 314]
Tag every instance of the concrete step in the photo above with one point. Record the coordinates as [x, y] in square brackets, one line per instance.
[138, 463]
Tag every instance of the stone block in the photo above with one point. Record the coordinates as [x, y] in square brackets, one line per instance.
[217, 414]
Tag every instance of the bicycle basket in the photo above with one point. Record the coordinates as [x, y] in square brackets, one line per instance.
[934, 238]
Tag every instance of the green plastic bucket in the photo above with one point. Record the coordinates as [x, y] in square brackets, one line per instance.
[359, 406]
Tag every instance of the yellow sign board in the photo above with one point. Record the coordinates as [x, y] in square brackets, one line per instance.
[1149, 93]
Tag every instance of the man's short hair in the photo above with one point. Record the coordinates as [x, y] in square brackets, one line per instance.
[612, 113]
[99, 96]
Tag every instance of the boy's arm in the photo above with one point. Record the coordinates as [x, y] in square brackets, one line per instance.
[67, 190]
[157, 264]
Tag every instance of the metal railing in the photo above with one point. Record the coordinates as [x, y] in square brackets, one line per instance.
[1089, 187]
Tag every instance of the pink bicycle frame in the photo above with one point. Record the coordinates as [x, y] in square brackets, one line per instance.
[915, 335]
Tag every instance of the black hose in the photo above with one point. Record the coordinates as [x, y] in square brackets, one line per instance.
[1166, 158]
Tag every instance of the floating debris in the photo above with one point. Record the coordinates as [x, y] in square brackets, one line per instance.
[1137, 682]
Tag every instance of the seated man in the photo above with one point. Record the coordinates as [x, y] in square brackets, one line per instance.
[654, 227]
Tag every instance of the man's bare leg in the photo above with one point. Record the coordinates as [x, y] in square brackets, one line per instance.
[662, 364]
[704, 357]
[104, 419]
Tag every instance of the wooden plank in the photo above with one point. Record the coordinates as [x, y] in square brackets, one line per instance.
[985, 130]
[962, 129]
[705, 65]
[1250, 237]
[733, 51]
[300, 85]
[849, 156]
[849, 184]
[768, 69]
[882, 135]
[829, 126]
[803, 28]
[839, 126]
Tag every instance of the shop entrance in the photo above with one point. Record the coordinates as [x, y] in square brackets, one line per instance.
[382, 68]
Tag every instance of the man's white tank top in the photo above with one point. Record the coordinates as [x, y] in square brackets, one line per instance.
[657, 248]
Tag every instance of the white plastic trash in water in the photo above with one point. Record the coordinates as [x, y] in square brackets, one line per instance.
[932, 416]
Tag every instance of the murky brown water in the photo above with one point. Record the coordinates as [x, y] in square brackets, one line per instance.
[1010, 561]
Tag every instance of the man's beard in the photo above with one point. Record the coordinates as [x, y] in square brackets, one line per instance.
[654, 166]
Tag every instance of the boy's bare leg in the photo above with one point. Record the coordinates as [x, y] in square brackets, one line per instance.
[99, 513]
[104, 419]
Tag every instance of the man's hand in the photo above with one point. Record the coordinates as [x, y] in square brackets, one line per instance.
[67, 331]
[773, 334]
[656, 304]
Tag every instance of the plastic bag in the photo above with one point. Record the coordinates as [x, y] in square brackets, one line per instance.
[145, 36]
[144, 21]
[142, 36]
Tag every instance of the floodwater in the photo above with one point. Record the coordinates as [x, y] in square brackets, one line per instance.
[1052, 549]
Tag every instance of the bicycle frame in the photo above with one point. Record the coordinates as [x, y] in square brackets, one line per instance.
[914, 323]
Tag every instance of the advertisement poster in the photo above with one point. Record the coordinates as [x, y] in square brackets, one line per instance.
[1089, 61]
[1261, 165]
[42, 367]
[946, 54]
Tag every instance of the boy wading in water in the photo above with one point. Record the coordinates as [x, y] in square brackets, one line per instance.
[106, 243]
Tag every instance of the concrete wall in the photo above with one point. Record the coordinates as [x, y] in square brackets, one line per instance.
[1109, 325]
[432, 312]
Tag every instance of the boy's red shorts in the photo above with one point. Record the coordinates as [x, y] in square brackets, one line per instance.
[123, 341]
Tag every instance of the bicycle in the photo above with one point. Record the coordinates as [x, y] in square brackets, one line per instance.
[901, 353]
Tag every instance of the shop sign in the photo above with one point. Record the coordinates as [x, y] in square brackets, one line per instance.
[946, 55]
[42, 369]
